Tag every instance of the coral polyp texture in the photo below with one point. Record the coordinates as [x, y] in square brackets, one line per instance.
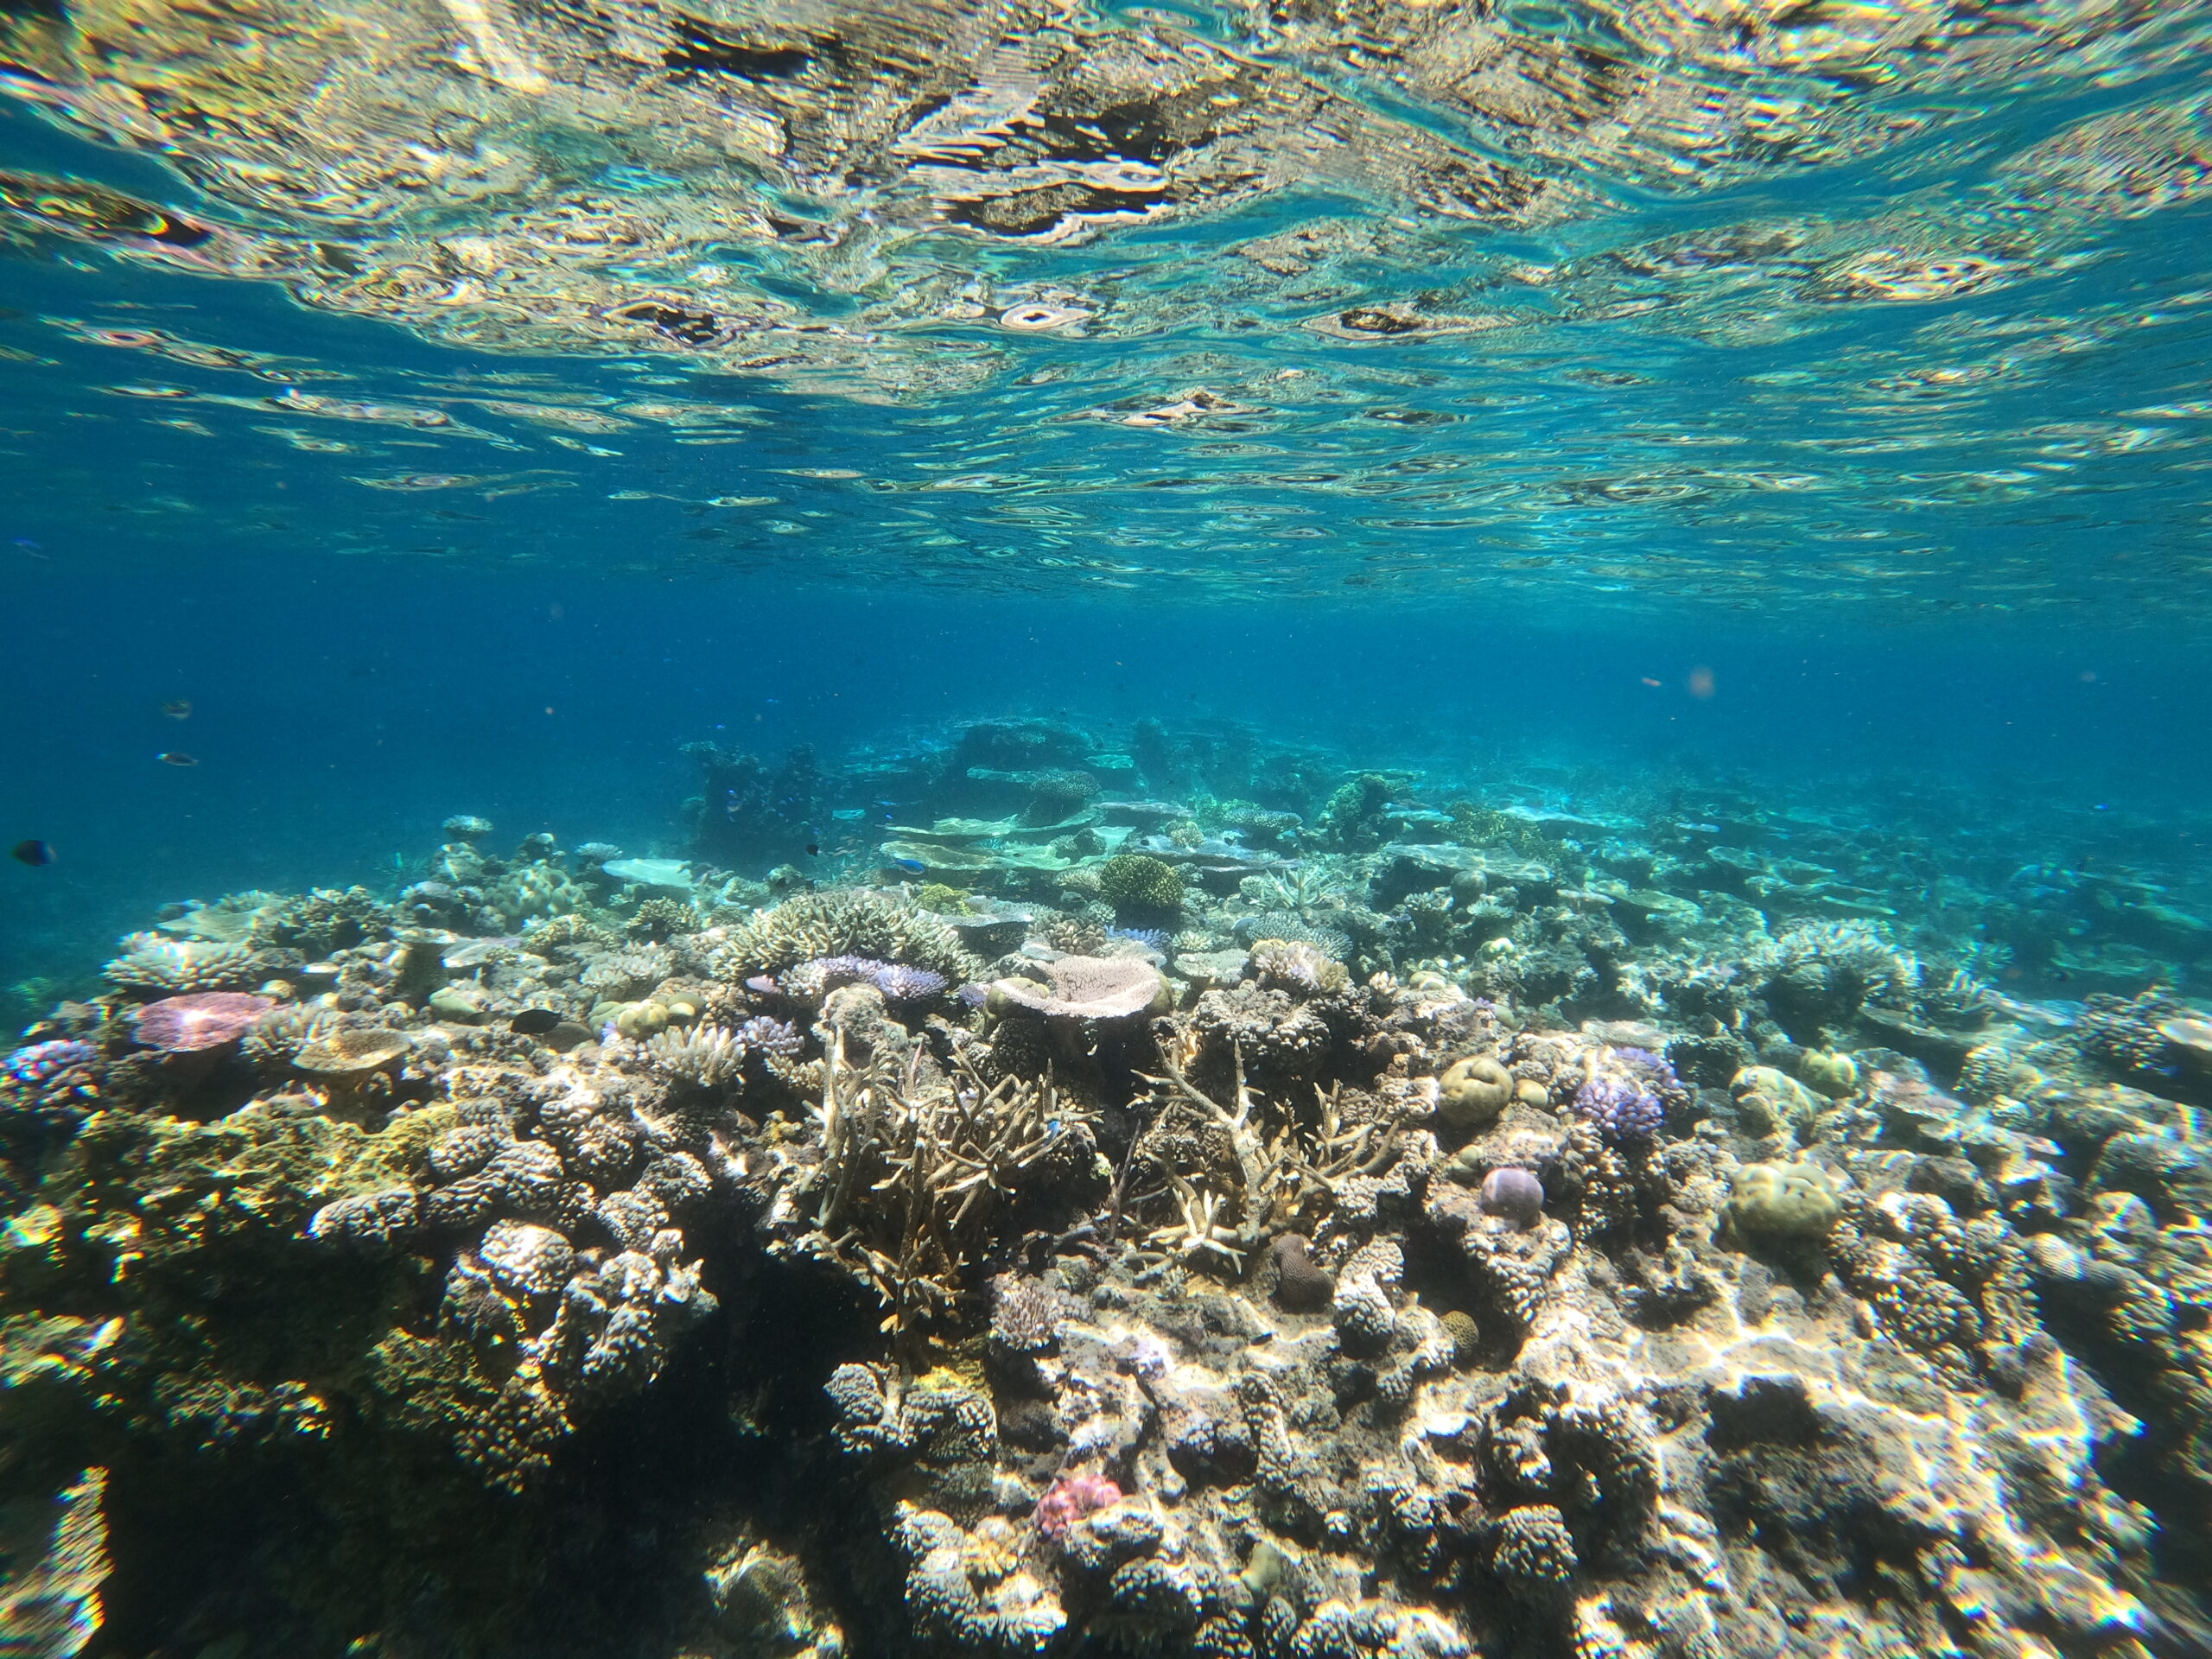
[803, 1271]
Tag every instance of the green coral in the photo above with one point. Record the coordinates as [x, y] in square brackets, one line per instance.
[845, 925]
[1138, 885]
[1826, 1072]
[1351, 820]
[1783, 1202]
[1057, 796]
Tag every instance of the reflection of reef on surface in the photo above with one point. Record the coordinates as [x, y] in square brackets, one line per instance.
[429, 168]
[1540, 1227]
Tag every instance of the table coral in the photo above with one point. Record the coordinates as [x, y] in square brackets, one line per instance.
[202, 1019]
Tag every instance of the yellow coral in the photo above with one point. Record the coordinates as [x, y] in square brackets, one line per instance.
[1782, 1201]
[1473, 1092]
[1826, 1072]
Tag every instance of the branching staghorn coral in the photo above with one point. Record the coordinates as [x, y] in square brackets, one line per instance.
[1285, 1181]
[1308, 885]
[913, 1175]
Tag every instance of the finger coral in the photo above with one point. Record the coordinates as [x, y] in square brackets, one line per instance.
[150, 962]
[816, 926]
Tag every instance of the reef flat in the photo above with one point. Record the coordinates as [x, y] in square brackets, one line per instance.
[1040, 1191]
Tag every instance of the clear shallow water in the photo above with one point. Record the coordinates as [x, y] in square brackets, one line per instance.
[1791, 417]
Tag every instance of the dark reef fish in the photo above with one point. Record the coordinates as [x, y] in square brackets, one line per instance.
[175, 757]
[34, 852]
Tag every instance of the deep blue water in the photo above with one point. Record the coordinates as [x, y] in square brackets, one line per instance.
[340, 711]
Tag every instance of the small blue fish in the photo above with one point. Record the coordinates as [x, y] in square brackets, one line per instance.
[913, 865]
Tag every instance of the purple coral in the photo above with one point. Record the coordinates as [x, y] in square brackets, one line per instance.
[897, 981]
[1650, 1067]
[900, 983]
[1514, 1193]
[39, 1064]
[1621, 1105]
[768, 1036]
[207, 1020]
[50, 1078]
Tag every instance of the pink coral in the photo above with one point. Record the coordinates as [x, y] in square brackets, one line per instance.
[1071, 1497]
[206, 1019]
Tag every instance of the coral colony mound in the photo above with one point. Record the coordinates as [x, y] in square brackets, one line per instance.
[1146, 1192]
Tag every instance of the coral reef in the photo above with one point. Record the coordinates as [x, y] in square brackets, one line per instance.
[1136, 885]
[1572, 1276]
[816, 927]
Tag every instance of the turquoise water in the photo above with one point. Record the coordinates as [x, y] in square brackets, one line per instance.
[1746, 457]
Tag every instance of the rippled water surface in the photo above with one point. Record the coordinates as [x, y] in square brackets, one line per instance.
[1878, 308]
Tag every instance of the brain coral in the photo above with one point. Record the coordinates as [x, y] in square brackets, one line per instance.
[1473, 1092]
[1782, 1201]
